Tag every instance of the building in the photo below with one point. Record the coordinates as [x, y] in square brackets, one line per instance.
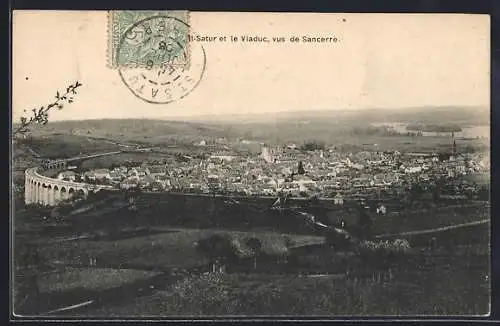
[338, 199]
[99, 174]
[67, 176]
[157, 170]
[128, 184]
[267, 154]
[413, 169]
[381, 209]
[222, 158]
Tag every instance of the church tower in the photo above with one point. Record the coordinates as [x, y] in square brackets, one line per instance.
[267, 154]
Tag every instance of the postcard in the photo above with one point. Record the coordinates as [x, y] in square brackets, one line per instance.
[248, 165]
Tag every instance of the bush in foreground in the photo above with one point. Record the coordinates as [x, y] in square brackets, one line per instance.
[383, 252]
[396, 246]
[409, 293]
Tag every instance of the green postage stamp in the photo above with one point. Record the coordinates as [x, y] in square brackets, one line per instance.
[147, 39]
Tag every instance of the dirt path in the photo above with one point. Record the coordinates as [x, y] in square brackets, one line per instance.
[429, 231]
[54, 304]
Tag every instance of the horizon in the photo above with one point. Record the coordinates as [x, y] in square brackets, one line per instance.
[202, 117]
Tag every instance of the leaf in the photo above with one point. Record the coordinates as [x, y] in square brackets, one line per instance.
[57, 95]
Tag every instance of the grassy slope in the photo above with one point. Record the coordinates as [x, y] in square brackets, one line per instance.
[175, 248]
[90, 279]
[430, 219]
[55, 146]
[453, 285]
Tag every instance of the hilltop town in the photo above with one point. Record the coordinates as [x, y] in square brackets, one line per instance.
[324, 173]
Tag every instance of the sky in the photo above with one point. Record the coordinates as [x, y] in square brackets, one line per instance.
[382, 60]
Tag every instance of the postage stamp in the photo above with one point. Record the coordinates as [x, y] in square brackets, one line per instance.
[159, 75]
[148, 38]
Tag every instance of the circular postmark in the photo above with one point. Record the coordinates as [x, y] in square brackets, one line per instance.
[157, 62]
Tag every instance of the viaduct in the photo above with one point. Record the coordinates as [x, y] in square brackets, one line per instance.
[40, 189]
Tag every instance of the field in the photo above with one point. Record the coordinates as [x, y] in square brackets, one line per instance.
[90, 278]
[459, 289]
[432, 218]
[58, 146]
[162, 246]
[169, 248]
[480, 178]
[116, 160]
[64, 145]
[161, 209]
[134, 274]
[126, 265]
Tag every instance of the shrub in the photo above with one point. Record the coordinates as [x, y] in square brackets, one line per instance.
[382, 252]
[223, 247]
[200, 295]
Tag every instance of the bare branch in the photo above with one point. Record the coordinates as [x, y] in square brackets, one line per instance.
[41, 115]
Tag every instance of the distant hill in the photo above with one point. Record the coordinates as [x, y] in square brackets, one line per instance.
[444, 114]
[331, 127]
[136, 130]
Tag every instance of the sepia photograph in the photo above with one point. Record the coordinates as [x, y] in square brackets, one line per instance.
[177, 164]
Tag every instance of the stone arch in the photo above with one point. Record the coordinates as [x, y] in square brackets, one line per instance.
[71, 192]
[64, 193]
[57, 194]
[80, 193]
[38, 191]
[50, 195]
[44, 194]
[35, 192]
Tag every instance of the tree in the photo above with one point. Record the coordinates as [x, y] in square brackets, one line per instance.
[313, 146]
[256, 246]
[365, 221]
[218, 247]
